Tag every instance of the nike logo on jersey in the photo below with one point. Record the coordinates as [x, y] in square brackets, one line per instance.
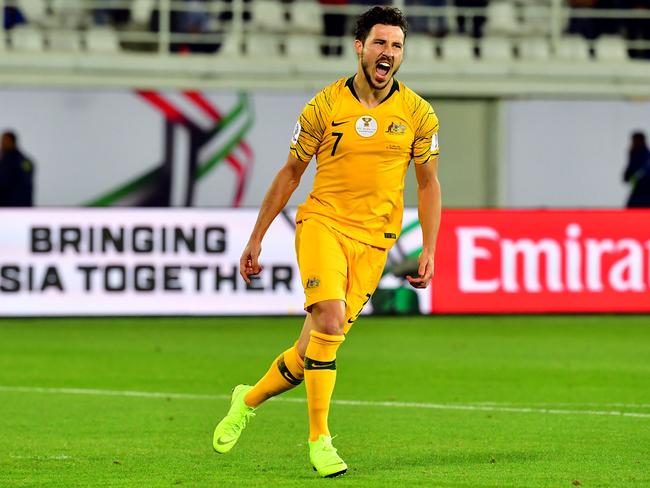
[336, 124]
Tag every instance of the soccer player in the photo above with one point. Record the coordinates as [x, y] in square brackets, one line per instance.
[364, 131]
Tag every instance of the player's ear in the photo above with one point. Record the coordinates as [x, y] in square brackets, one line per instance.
[358, 47]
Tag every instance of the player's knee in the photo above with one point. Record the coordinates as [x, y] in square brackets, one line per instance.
[331, 328]
[329, 317]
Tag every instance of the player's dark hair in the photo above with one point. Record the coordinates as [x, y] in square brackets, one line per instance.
[379, 15]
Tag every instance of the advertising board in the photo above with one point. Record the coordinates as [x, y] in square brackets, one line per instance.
[523, 261]
[186, 262]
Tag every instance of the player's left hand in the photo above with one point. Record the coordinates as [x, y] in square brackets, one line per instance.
[425, 271]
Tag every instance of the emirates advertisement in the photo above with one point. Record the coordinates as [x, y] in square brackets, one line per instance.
[508, 261]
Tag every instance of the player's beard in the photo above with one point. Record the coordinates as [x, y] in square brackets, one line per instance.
[369, 74]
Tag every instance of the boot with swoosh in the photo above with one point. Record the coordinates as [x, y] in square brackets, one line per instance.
[231, 426]
[324, 458]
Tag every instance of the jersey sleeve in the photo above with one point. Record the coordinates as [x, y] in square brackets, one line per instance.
[425, 145]
[310, 128]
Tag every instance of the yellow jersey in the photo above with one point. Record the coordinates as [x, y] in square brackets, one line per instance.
[362, 155]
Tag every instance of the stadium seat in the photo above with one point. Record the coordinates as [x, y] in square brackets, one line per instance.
[262, 45]
[535, 18]
[610, 48]
[26, 39]
[141, 11]
[231, 47]
[306, 17]
[34, 10]
[457, 48]
[102, 40]
[302, 46]
[64, 40]
[268, 16]
[534, 49]
[70, 13]
[501, 18]
[496, 48]
[419, 48]
[572, 48]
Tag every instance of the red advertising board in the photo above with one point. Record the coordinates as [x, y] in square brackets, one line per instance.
[524, 261]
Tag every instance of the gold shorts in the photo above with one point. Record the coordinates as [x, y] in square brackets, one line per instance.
[336, 267]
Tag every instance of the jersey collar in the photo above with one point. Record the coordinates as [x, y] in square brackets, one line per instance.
[350, 84]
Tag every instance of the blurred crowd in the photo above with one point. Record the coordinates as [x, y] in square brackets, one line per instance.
[631, 28]
[199, 17]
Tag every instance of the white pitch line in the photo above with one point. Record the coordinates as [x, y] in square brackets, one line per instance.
[60, 457]
[119, 393]
[353, 403]
[566, 404]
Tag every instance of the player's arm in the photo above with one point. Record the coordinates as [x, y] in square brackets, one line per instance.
[277, 196]
[429, 209]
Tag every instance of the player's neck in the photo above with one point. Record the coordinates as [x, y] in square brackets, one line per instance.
[368, 96]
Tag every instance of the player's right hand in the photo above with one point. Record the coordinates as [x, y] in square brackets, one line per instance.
[425, 270]
[248, 263]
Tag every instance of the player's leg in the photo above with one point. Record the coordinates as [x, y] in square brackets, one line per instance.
[330, 320]
[320, 362]
[287, 370]
[367, 265]
[320, 378]
[322, 259]
[322, 333]
[285, 373]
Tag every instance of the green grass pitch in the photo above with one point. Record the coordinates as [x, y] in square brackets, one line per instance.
[467, 402]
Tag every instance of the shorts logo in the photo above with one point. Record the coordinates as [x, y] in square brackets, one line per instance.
[396, 129]
[313, 282]
[296, 133]
[366, 126]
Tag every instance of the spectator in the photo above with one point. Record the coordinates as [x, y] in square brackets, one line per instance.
[334, 29]
[610, 25]
[478, 20]
[600, 23]
[195, 18]
[637, 172]
[13, 17]
[111, 15]
[226, 13]
[16, 174]
[371, 2]
[584, 26]
[638, 29]
[436, 24]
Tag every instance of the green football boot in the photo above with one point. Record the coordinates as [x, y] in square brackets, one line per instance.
[231, 426]
[324, 459]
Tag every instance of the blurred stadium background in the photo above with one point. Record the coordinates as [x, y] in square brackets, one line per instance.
[155, 127]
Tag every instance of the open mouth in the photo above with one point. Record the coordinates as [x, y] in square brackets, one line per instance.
[382, 69]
